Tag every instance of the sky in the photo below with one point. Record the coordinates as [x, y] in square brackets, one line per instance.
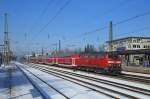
[37, 24]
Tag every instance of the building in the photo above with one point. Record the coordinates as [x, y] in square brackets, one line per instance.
[130, 43]
[134, 48]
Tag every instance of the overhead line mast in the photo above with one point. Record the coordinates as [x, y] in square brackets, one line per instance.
[6, 42]
[110, 36]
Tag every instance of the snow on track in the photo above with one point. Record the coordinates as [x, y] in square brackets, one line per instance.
[68, 88]
[121, 81]
[123, 91]
[136, 74]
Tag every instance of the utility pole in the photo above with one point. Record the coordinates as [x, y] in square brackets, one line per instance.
[6, 42]
[56, 49]
[42, 52]
[110, 36]
[59, 46]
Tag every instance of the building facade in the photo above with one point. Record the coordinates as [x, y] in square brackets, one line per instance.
[132, 44]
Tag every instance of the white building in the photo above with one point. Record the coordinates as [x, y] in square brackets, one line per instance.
[131, 44]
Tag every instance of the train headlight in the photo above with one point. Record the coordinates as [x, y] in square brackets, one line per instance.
[110, 62]
[118, 62]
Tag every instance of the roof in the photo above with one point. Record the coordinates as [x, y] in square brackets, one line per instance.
[141, 37]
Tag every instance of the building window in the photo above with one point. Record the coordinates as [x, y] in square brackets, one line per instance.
[134, 41]
[138, 46]
[146, 46]
[134, 46]
[129, 41]
[138, 40]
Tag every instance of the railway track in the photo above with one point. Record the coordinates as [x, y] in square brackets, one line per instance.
[142, 79]
[129, 77]
[43, 95]
[122, 90]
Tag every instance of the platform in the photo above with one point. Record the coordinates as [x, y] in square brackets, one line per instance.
[15, 85]
[145, 70]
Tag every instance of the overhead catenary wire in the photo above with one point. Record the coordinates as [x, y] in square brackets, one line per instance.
[120, 22]
[54, 17]
[41, 14]
[59, 11]
[115, 24]
[138, 30]
[75, 43]
[103, 28]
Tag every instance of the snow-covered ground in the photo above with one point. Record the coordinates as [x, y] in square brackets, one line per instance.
[136, 74]
[68, 88]
[122, 90]
[135, 84]
[131, 93]
[13, 84]
[4, 86]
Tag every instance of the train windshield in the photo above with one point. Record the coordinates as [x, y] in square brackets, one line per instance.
[111, 55]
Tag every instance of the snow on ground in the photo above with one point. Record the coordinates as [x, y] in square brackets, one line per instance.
[4, 86]
[70, 89]
[47, 91]
[13, 84]
[135, 84]
[137, 74]
[128, 92]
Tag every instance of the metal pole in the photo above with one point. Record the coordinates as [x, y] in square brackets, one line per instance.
[59, 46]
[6, 42]
[110, 36]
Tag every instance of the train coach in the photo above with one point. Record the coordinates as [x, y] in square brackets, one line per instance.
[100, 62]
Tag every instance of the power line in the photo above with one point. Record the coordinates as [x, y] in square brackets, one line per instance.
[118, 23]
[59, 11]
[54, 17]
[109, 11]
[41, 14]
[98, 29]
[132, 18]
[138, 30]
[116, 7]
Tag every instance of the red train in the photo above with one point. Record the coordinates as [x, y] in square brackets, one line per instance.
[103, 62]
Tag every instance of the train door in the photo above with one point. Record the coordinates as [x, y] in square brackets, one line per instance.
[53, 60]
[56, 60]
[73, 61]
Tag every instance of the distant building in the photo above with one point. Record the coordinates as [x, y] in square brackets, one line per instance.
[136, 46]
[130, 43]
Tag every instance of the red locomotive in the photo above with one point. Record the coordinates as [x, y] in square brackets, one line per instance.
[103, 62]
